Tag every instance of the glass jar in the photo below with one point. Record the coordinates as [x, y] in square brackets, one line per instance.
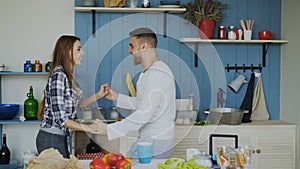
[28, 66]
[102, 112]
[37, 67]
[146, 4]
[114, 114]
[48, 66]
[231, 33]
[222, 32]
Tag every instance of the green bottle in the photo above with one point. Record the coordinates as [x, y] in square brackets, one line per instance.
[31, 106]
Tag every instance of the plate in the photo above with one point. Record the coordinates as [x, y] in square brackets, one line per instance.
[169, 6]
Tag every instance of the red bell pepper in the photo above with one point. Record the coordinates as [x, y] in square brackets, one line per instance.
[98, 163]
[123, 164]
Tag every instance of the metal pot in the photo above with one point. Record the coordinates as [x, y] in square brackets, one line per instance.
[231, 116]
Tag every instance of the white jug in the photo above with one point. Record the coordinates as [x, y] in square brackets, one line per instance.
[236, 84]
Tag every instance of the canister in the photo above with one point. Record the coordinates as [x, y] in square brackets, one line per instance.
[222, 32]
[231, 33]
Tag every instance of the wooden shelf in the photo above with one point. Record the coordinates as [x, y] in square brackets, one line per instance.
[17, 121]
[264, 43]
[23, 73]
[104, 9]
[198, 40]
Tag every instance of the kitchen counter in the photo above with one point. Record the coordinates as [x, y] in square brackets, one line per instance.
[136, 164]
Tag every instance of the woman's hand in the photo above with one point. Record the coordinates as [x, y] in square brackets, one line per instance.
[104, 90]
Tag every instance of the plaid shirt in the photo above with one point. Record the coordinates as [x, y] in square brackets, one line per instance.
[61, 101]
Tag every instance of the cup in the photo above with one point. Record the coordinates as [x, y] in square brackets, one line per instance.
[247, 34]
[144, 152]
[132, 3]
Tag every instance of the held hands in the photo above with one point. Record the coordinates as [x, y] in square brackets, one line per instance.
[98, 127]
[103, 91]
[107, 92]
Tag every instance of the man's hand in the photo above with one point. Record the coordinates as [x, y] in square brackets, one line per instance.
[112, 95]
[98, 127]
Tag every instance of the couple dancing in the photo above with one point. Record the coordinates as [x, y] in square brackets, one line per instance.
[154, 106]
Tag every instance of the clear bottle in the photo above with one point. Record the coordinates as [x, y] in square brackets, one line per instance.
[37, 67]
[30, 106]
[4, 152]
[146, 4]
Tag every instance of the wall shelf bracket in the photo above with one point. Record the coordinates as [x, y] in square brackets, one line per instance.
[94, 23]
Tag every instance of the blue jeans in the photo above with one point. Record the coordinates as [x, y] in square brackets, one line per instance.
[45, 140]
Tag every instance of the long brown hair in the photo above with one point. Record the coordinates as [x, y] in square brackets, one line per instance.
[63, 55]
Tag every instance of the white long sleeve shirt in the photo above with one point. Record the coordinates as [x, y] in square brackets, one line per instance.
[154, 106]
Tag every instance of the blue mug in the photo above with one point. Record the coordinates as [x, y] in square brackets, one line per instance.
[144, 152]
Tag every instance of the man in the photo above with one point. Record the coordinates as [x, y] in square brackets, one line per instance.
[154, 106]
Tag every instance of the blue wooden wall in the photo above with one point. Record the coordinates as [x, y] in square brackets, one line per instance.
[107, 60]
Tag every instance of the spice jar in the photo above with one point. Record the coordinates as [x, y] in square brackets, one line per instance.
[231, 33]
[37, 67]
[222, 32]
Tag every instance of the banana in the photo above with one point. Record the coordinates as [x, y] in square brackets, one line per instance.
[130, 85]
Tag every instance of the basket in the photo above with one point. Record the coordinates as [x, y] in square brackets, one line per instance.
[114, 3]
[8, 111]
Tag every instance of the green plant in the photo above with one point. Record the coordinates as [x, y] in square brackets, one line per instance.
[199, 9]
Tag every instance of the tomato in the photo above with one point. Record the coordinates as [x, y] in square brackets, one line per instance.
[123, 164]
[98, 163]
[113, 158]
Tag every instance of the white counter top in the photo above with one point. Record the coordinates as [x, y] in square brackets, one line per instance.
[135, 165]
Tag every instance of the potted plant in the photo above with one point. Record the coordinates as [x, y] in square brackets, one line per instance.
[204, 15]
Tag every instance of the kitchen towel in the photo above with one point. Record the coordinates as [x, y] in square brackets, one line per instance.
[259, 108]
[247, 102]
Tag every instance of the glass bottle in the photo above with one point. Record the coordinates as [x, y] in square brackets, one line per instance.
[146, 4]
[30, 106]
[28, 66]
[37, 67]
[4, 152]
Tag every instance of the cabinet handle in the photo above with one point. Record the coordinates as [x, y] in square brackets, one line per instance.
[258, 151]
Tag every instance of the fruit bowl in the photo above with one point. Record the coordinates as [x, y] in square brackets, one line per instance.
[8, 111]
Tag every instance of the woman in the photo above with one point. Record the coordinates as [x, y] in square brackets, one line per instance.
[63, 97]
